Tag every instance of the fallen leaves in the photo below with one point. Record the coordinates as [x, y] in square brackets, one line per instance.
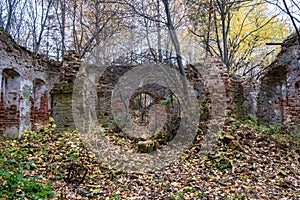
[245, 164]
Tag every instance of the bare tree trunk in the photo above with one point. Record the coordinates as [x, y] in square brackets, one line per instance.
[160, 56]
[174, 37]
[38, 35]
[63, 27]
[224, 13]
[153, 54]
[207, 49]
[176, 44]
[10, 11]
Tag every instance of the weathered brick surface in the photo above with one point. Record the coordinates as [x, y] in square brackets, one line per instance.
[25, 77]
[105, 87]
[32, 88]
[242, 93]
[9, 117]
[61, 94]
[279, 97]
[39, 115]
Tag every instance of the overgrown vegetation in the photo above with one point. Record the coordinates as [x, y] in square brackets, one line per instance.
[17, 167]
[276, 131]
[248, 161]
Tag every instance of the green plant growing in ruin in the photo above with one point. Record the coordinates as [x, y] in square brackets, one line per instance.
[168, 101]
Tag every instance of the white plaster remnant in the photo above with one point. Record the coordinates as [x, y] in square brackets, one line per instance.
[39, 89]
[25, 105]
[11, 87]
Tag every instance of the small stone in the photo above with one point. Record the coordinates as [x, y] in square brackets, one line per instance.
[146, 146]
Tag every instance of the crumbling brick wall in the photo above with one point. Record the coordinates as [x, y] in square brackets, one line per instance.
[105, 87]
[242, 95]
[272, 96]
[142, 99]
[32, 87]
[274, 100]
[25, 82]
[10, 117]
[292, 58]
[39, 111]
[241, 92]
[61, 94]
[279, 100]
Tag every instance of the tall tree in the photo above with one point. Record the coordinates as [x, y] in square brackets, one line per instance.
[39, 13]
[11, 14]
[238, 31]
[91, 22]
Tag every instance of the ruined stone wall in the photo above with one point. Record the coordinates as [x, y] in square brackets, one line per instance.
[9, 118]
[61, 94]
[62, 105]
[272, 97]
[158, 93]
[279, 93]
[276, 99]
[32, 88]
[241, 92]
[242, 95]
[39, 115]
[105, 87]
[292, 59]
[25, 82]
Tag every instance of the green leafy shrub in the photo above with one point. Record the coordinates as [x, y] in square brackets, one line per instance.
[15, 162]
[16, 185]
[271, 129]
[168, 101]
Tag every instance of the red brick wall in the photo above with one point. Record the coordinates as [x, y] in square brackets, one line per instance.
[9, 117]
[39, 116]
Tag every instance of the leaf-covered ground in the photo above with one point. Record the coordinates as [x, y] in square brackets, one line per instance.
[245, 164]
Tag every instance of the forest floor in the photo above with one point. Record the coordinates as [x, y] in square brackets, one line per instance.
[247, 162]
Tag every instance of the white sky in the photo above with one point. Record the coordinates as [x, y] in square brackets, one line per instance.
[294, 6]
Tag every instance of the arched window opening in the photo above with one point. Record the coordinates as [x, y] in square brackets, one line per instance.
[39, 91]
[140, 107]
[10, 87]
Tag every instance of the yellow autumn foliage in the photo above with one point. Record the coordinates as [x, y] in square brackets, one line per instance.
[250, 29]
[248, 26]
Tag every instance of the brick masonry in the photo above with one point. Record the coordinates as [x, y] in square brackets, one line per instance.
[33, 88]
[26, 80]
[279, 96]
[61, 94]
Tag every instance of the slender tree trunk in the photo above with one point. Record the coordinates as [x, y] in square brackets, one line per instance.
[174, 37]
[208, 30]
[63, 25]
[224, 33]
[9, 16]
[176, 44]
[292, 19]
[160, 56]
